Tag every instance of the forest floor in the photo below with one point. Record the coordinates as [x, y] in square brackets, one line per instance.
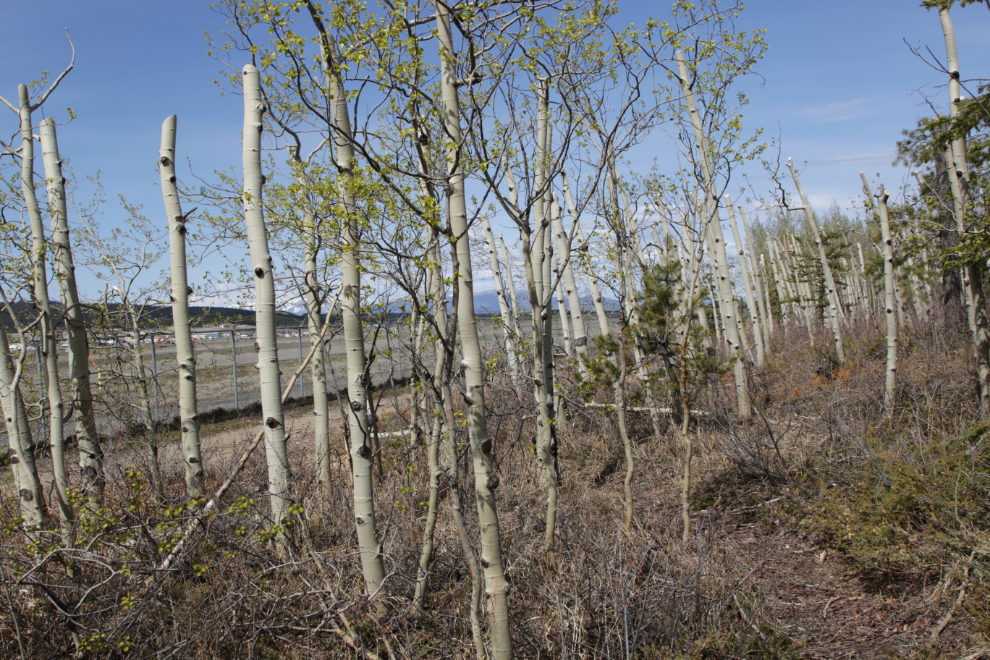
[792, 578]
[815, 597]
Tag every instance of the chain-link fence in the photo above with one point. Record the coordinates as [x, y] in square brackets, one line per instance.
[226, 371]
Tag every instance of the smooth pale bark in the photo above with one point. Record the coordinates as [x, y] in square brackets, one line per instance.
[26, 481]
[718, 257]
[503, 304]
[565, 324]
[90, 453]
[692, 273]
[959, 177]
[786, 309]
[580, 333]
[835, 309]
[485, 481]
[790, 286]
[766, 323]
[437, 427]
[791, 267]
[512, 293]
[888, 288]
[549, 445]
[867, 293]
[754, 313]
[358, 415]
[264, 279]
[596, 296]
[313, 297]
[49, 346]
[185, 352]
[538, 275]
[359, 418]
[629, 248]
[918, 299]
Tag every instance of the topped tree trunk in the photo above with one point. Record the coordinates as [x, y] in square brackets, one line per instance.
[264, 280]
[185, 352]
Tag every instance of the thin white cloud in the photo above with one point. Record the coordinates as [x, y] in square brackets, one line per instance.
[842, 110]
[855, 159]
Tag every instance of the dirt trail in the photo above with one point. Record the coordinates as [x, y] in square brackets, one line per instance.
[815, 598]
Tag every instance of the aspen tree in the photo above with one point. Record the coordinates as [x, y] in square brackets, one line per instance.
[766, 320]
[537, 262]
[481, 446]
[792, 272]
[835, 308]
[90, 453]
[359, 420]
[263, 268]
[888, 287]
[439, 304]
[754, 313]
[26, 481]
[503, 304]
[713, 224]
[786, 308]
[958, 170]
[625, 248]
[596, 296]
[565, 324]
[512, 292]
[580, 333]
[49, 347]
[442, 456]
[313, 297]
[185, 352]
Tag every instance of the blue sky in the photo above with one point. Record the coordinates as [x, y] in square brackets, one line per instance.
[839, 84]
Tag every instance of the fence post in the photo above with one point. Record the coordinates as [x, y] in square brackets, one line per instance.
[302, 376]
[42, 390]
[154, 374]
[398, 347]
[233, 350]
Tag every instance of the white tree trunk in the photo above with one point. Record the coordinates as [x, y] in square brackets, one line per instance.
[90, 453]
[889, 303]
[718, 257]
[49, 346]
[185, 352]
[766, 323]
[313, 296]
[512, 297]
[596, 296]
[503, 305]
[485, 480]
[263, 267]
[959, 179]
[26, 481]
[835, 308]
[580, 333]
[754, 313]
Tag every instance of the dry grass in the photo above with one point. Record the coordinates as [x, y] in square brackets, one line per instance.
[640, 595]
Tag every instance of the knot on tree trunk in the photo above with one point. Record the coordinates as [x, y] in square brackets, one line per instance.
[272, 423]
